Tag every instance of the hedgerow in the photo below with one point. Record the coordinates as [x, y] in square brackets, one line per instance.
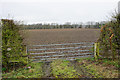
[110, 38]
[12, 47]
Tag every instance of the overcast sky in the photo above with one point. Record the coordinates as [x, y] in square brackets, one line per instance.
[59, 11]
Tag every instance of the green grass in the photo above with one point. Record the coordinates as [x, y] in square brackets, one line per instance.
[65, 69]
[104, 61]
[34, 72]
[111, 62]
[101, 68]
[61, 69]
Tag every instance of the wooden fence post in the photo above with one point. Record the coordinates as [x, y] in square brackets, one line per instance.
[27, 53]
[95, 45]
[98, 45]
[96, 50]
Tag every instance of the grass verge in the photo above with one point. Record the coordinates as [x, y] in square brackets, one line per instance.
[102, 68]
[32, 70]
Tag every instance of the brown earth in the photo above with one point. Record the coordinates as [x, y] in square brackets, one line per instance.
[51, 36]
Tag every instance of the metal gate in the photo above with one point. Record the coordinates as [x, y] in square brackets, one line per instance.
[68, 51]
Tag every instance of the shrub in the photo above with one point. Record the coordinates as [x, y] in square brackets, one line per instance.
[110, 37]
[12, 48]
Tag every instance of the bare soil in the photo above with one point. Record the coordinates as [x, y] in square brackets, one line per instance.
[51, 36]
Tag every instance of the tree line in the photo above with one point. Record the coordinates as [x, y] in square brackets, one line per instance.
[62, 26]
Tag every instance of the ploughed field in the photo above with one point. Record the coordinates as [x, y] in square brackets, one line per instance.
[53, 36]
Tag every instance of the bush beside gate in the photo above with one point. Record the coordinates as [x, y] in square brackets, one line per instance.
[12, 47]
[110, 38]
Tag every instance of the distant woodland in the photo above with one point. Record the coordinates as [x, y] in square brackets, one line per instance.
[62, 26]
